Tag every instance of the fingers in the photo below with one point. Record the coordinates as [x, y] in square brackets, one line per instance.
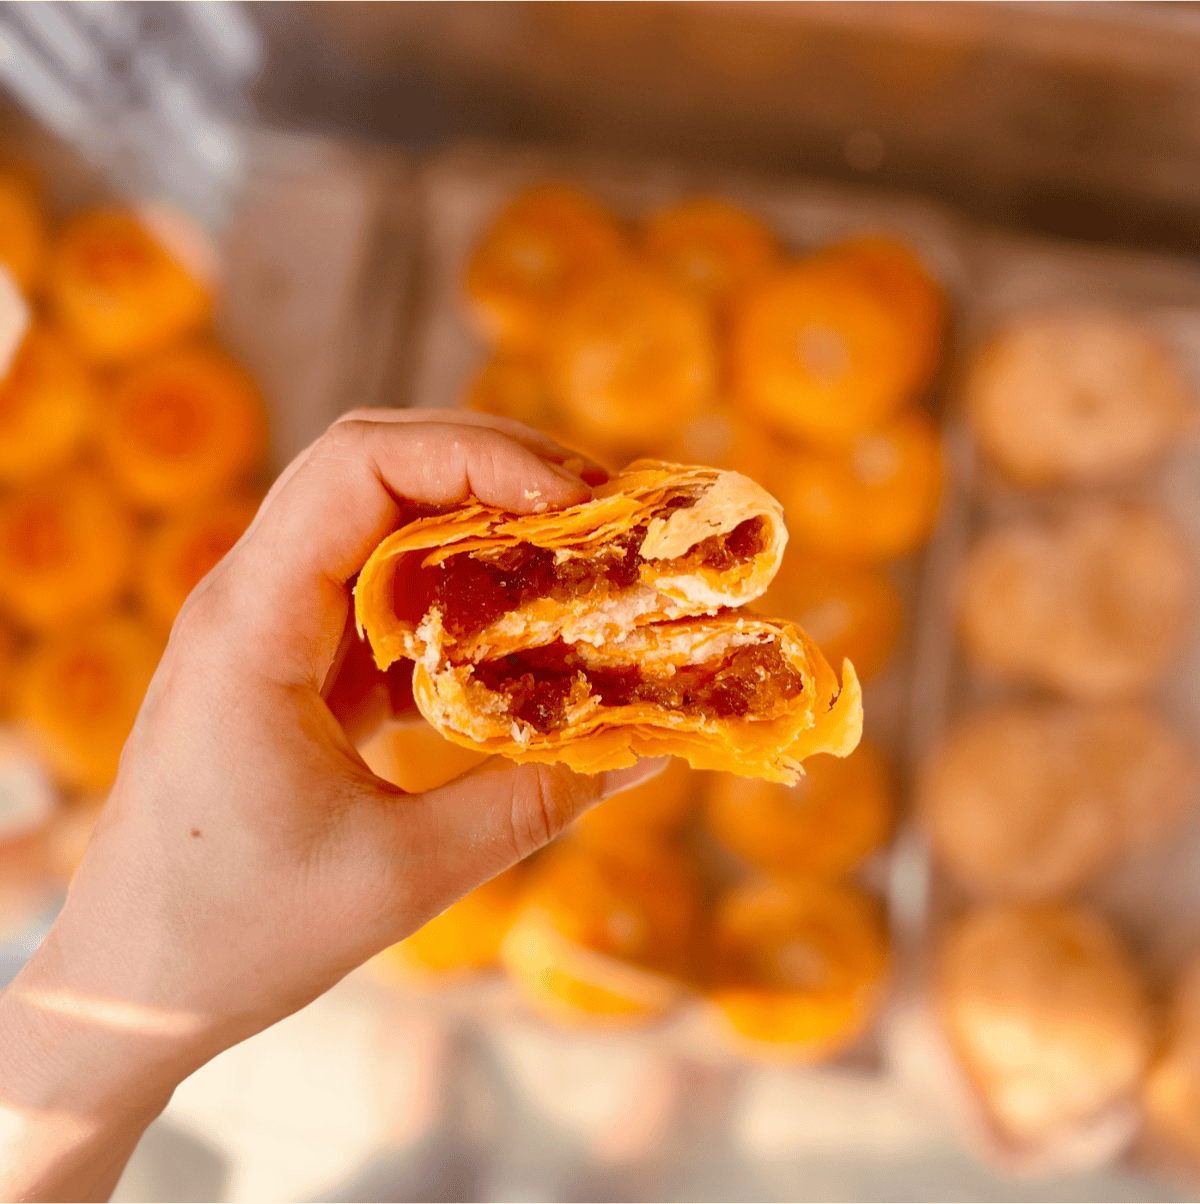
[290, 573]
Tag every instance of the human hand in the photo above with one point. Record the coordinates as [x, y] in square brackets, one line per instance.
[247, 859]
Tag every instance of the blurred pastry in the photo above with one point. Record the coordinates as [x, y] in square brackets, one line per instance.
[1047, 1013]
[411, 754]
[79, 693]
[851, 610]
[68, 834]
[66, 550]
[516, 385]
[47, 407]
[1171, 1098]
[1074, 398]
[710, 248]
[538, 253]
[182, 428]
[797, 967]
[1093, 604]
[603, 941]
[654, 812]
[23, 237]
[874, 500]
[833, 345]
[117, 292]
[840, 811]
[461, 941]
[632, 357]
[8, 668]
[28, 798]
[181, 551]
[1030, 802]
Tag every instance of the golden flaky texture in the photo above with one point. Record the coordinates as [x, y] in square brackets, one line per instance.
[1047, 1012]
[602, 632]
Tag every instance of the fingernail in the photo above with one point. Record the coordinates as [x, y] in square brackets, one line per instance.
[564, 473]
[614, 781]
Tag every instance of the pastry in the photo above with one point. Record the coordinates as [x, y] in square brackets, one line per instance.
[79, 693]
[851, 610]
[22, 232]
[1032, 801]
[710, 248]
[797, 967]
[632, 357]
[1047, 1013]
[47, 407]
[831, 346]
[601, 940]
[873, 500]
[411, 754]
[1171, 1097]
[538, 253]
[577, 636]
[183, 549]
[1092, 604]
[1074, 398]
[516, 385]
[839, 812]
[66, 550]
[182, 428]
[117, 292]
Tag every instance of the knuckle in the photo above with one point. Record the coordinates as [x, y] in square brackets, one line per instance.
[542, 806]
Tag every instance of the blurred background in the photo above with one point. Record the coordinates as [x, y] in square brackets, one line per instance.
[928, 273]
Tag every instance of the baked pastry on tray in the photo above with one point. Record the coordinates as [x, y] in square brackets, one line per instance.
[603, 631]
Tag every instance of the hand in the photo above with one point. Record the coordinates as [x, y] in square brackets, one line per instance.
[247, 859]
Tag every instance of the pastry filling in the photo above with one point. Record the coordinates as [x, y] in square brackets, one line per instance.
[543, 684]
[472, 590]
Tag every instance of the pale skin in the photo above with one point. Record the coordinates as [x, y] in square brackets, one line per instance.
[247, 859]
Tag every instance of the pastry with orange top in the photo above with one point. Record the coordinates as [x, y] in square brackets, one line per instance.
[1171, 1096]
[851, 610]
[1092, 602]
[654, 812]
[23, 237]
[117, 292]
[797, 967]
[535, 257]
[873, 500]
[66, 550]
[601, 940]
[1047, 1013]
[829, 347]
[840, 811]
[632, 357]
[47, 407]
[183, 549]
[1075, 398]
[79, 693]
[182, 428]
[1032, 801]
[709, 247]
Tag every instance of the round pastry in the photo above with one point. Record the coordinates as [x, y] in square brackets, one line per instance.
[840, 811]
[47, 407]
[851, 610]
[182, 550]
[1074, 398]
[710, 248]
[79, 693]
[603, 940]
[22, 232]
[463, 940]
[182, 428]
[1030, 802]
[797, 967]
[117, 292]
[875, 500]
[411, 754]
[516, 385]
[66, 550]
[632, 357]
[548, 243]
[1093, 605]
[1171, 1097]
[654, 812]
[1047, 1013]
[833, 345]
[8, 668]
